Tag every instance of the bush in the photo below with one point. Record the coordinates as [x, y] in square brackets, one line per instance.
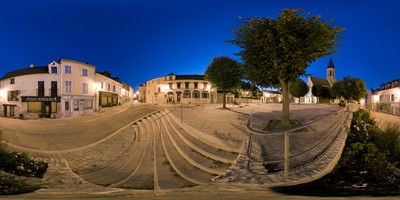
[20, 164]
[388, 141]
[368, 163]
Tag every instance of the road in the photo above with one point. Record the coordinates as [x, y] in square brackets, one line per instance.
[61, 135]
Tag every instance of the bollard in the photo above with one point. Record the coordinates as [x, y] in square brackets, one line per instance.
[286, 156]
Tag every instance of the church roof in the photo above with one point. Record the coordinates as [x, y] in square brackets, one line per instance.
[319, 81]
[331, 65]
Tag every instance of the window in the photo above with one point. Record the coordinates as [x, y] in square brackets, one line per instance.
[205, 95]
[170, 85]
[40, 90]
[85, 89]
[34, 107]
[53, 90]
[381, 97]
[12, 95]
[205, 85]
[158, 90]
[170, 78]
[12, 81]
[113, 88]
[187, 85]
[84, 72]
[67, 69]
[196, 84]
[68, 86]
[178, 85]
[186, 94]
[102, 85]
[108, 87]
[392, 97]
[196, 94]
[54, 70]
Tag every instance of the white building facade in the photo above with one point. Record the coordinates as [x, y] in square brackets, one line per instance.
[61, 89]
[386, 99]
[178, 89]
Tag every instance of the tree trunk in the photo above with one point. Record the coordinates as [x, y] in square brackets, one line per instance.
[285, 104]
[224, 100]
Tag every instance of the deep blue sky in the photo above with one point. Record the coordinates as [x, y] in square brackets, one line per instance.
[143, 39]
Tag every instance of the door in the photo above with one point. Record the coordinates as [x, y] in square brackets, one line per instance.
[67, 108]
[82, 107]
[47, 109]
[5, 111]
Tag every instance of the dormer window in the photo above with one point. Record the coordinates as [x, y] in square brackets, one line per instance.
[54, 70]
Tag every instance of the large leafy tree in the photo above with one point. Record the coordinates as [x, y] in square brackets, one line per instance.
[298, 88]
[349, 88]
[225, 73]
[321, 91]
[277, 51]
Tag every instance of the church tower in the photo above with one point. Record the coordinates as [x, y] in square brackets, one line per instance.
[330, 73]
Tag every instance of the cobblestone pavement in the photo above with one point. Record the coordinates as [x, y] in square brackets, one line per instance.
[209, 119]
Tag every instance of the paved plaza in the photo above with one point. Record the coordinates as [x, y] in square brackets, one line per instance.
[93, 156]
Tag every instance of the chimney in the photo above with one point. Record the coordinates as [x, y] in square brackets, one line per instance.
[31, 65]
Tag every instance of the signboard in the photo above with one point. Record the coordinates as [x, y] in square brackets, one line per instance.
[40, 99]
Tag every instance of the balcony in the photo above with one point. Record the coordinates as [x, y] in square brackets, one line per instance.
[53, 92]
[40, 92]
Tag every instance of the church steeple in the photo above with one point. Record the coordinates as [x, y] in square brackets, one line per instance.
[330, 73]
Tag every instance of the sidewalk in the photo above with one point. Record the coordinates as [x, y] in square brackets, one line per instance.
[383, 119]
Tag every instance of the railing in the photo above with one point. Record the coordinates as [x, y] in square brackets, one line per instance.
[53, 92]
[40, 92]
[311, 144]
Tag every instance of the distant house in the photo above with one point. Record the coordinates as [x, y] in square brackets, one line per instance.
[186, 89]
[327, 82]
[385, 99]
[270, 96]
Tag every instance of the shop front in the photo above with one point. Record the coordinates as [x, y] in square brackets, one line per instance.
[42, 107]
[107, 99]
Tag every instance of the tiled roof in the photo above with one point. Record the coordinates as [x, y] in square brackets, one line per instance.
[189, 77]
[319, 81]
[331, 65]
[26, 71]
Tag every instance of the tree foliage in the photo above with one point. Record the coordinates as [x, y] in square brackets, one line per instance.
[248, 90]
[350, 88]
[298, 88]
[277, 51]
[321, 91]
[224, 73]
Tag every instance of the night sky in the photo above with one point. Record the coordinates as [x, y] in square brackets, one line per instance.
[144, 39]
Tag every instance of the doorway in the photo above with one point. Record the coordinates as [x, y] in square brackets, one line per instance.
[46, 109]
[67, 108]
[82, 107]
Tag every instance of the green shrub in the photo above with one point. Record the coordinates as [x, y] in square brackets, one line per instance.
[388, 141]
